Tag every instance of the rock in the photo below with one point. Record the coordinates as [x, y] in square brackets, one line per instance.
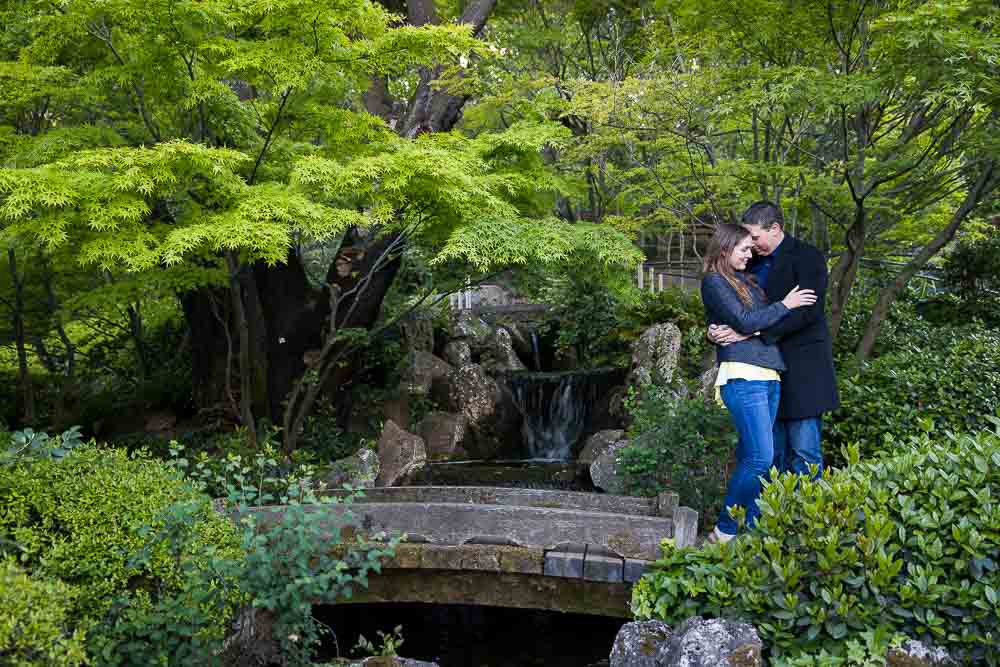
[655, 355]
[640, 644]
[915, 653]
[604, 470]
[393, 661]
[467, 325]
[401, 455]
[418, 331]
[706, 383]
[597, 443]
[521, 339]
[443, 434]
[360, 470]
[489, 417]
[458, 353]
[424, 369]
[504, 357]
[716, 642]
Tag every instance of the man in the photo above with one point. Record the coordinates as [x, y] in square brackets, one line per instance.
[809, 386]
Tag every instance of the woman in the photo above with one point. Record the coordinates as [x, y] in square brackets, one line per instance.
[748, 380]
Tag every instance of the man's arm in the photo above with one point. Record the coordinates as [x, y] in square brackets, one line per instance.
[812, 276]
[721, 301]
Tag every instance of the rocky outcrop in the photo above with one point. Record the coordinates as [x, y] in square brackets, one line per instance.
[706, 383]
[458, 353]
[424, 368]
[490, 416]
[715, 642]
[597, 443]
[604, 471]
[640, 644]
[655, 355]
[443, 434]
[505, 358]
[360, 470]
[401, 455]
[468, 326]
[697, 642]
[915, 653]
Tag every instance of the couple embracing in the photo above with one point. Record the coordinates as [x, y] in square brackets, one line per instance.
[763, 292]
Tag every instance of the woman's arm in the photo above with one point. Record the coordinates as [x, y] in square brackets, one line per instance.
[724, 306]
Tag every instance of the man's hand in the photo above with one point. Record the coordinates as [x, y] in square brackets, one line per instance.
[720, 334]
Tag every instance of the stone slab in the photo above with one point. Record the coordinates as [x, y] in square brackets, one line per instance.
[486, 495]
[563, 564]
[450, 523]
[685, 521]
[634, 569]
[602, 568]
[521, 591]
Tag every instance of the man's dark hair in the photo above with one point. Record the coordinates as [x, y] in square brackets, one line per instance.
[763, 213]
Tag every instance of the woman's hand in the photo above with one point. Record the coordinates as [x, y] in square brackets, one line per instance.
[798, 298]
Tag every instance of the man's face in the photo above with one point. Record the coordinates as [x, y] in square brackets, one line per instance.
[765, 240]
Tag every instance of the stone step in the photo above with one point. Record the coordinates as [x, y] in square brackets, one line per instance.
[663, 505]
[542, 527]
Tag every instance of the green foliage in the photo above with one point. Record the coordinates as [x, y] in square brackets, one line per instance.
[30, 444]
[679, 444]
[904, 544]
[36, 623]
[946, 377]
[293, 559]
[388, 643]
[80, 520]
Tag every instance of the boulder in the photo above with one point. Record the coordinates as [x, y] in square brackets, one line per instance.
[604, 470]
[915, 653]
[716, 642]
[597, 443]
[392, 661]
[458, 353]
[640, 644]
[706, 383]
[443, 434]
[505, 358]
[467, 325]
[401, 455]
[655, 355]
[360, 470]
[424, 369]
[490, 416]
[418, 331]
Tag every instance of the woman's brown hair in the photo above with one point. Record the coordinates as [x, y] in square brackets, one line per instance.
[722, 245]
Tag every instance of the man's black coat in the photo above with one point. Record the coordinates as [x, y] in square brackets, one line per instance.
[809, 386]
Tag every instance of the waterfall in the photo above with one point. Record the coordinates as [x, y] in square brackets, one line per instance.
[557, 408]
[536, 355]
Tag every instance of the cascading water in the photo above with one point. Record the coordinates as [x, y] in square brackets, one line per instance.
[536, 355]
[557, 408]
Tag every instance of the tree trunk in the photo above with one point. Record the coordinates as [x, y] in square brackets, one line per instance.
[985, 183]
[245, 355]
[846, 270]
[17, 319]
[206, 311]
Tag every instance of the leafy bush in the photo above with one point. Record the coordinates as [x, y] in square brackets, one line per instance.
[79, 520]
[948, 377]
[905, 544]
[35, 621]
[679, 444]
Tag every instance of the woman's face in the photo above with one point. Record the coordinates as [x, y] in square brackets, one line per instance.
[741, 254]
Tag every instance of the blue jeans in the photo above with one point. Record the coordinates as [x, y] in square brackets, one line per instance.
[797, 445]
[753, 406]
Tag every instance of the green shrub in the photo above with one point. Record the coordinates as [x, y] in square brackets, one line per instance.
[36, 622]
[81, 519]
[905, 544]
[948, 377]
[682, 445]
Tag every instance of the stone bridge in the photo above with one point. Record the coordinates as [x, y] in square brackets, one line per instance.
[524, 548]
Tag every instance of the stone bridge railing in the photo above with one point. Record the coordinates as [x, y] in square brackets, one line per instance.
[526, 548]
